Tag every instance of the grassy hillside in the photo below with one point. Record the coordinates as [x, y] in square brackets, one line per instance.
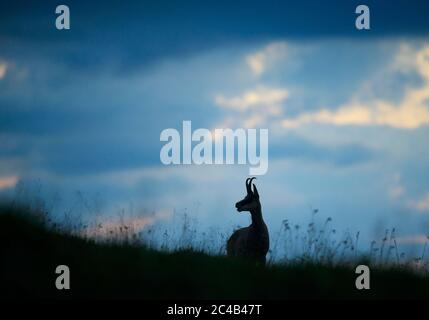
[29, 254]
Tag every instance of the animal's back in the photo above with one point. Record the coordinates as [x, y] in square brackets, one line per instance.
[249, 242]
[237, 243]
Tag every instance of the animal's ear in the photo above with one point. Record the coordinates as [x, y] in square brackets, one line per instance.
[255, 191]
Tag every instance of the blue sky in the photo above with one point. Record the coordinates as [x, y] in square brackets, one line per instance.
[347, 110]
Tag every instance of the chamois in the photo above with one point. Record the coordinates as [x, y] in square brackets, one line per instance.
[251, 242]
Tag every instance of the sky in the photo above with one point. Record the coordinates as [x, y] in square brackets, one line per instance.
[81, 110]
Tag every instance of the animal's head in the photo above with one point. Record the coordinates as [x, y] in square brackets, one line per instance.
[251, 200]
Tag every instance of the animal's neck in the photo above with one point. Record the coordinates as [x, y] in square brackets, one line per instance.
[256, 214]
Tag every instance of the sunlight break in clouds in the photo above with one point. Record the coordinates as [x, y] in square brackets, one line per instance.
[3, 69]
[411, 113]
[8, 182]
[413, 239]
[259, 97]
[259, 61]
[397, 189]
[125, 226]
[255, 106]
[421, 204]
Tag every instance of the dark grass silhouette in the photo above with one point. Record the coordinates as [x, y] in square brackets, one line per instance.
[30, 252]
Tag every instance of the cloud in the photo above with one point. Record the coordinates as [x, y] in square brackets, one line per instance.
[8, 182]
[413, 239]
[258, 97]
[215, 21]
[259, 61]
[421, 204]
[3, 69]
[257, 105]
[410, 113]
[396, 191]
[253, 108]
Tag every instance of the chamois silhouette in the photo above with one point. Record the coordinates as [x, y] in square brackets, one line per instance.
[251, 242]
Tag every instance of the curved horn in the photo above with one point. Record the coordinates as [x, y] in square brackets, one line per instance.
[251, 179]
[248, 186]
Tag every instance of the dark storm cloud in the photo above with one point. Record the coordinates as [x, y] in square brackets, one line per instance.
[131, 34]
